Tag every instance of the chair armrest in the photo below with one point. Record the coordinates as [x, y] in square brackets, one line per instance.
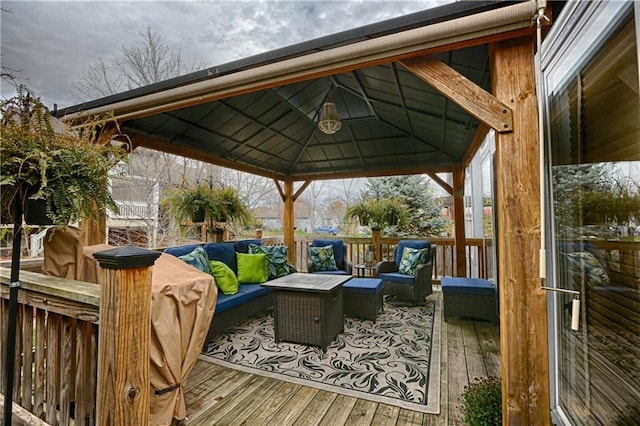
[423, 278]
[347, 266]
[385, 266]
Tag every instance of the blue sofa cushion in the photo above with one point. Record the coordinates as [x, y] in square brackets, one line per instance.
[416, 244]
[246, 292]
[338, 249]
[242, 246]
[397, 277]
[363, 286]
[181, 250]
[224, 252]
[467, 286]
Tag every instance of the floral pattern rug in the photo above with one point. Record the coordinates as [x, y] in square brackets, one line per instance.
[394, 361]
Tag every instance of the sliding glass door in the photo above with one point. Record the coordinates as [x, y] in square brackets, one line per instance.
[593, 122]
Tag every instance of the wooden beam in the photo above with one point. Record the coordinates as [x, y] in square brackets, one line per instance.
[523, 304]
[157, 144]
[280, 190]
[459, 89]
[458, 223]
[300, 190]
[444, 185]
[476, 142]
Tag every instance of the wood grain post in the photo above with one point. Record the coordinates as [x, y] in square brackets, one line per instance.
[289, 220]
[375, 242]
[458, 223]
[125, 329]
[523, 307]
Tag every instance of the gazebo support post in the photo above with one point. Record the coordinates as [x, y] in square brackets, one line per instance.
[458, 211]
[288, 223]
[523, 310]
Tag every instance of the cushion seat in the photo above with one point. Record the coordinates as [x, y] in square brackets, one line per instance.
[246, 292]
[363, 285]
[457, 285]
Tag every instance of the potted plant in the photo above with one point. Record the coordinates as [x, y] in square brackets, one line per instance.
[218, 206]
[378, 213]
[65, 168]
[482, 401]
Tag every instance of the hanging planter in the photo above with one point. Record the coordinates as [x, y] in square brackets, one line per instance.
[46, 162]
[198, 215]
[35, 213]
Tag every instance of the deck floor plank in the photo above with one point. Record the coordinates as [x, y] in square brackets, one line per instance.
[473, 351]
[316, 409]
[339, 411]
[386, 415]
[362, 413]
[293, 408]
[457, 374]
[490, 346]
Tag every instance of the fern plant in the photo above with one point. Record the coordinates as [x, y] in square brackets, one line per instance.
[64, 166]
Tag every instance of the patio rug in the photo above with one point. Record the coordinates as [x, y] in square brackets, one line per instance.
[395, 361]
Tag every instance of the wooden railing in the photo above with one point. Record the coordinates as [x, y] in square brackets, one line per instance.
[444, 262]
[66, 370]
[56, 347]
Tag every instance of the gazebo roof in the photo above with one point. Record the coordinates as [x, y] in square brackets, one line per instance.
[260, 114]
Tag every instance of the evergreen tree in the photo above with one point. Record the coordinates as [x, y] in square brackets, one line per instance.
[417, 197]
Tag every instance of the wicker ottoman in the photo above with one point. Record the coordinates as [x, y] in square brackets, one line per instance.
[473, 298]
[362, 297]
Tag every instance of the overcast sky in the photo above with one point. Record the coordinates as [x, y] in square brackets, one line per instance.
[52, 43]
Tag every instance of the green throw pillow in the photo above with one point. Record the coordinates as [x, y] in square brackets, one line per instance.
[411, 259]
[322, 258]
[225, 278]
[277, 259]
[252, 268]
[586, 265]
[198, 259]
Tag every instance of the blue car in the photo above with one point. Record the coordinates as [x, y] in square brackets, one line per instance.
[327, 230]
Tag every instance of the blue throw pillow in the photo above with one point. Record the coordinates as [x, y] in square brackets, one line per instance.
[322, 258]
[198, 259]
[411, 258]
[277, 259]
[586, 265]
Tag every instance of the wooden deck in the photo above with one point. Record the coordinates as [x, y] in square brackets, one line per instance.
[219, 396]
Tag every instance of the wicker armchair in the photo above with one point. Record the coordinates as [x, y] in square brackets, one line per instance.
[340, 254]
[408, 287]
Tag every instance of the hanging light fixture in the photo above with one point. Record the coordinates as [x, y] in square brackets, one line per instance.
[329, 121]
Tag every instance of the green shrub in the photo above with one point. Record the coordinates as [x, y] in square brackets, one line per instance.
[483, 402]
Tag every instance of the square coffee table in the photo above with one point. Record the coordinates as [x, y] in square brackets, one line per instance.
[308, 308]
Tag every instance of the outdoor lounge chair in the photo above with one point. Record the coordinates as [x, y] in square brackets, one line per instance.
[413, 288]
[339, 253]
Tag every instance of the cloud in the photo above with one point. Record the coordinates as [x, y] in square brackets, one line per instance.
[53, 42]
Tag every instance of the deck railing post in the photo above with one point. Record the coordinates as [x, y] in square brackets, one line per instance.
[125, 329]
[375, 241]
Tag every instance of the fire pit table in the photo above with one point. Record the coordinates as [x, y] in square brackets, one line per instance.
[308, 308]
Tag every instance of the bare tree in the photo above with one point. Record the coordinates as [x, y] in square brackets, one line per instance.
[254, 190]
[313, 197]
[134, 66]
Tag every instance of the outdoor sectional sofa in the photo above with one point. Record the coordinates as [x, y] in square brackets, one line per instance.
[231, 309]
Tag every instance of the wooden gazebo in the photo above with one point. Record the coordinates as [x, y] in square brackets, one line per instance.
[416, 94]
